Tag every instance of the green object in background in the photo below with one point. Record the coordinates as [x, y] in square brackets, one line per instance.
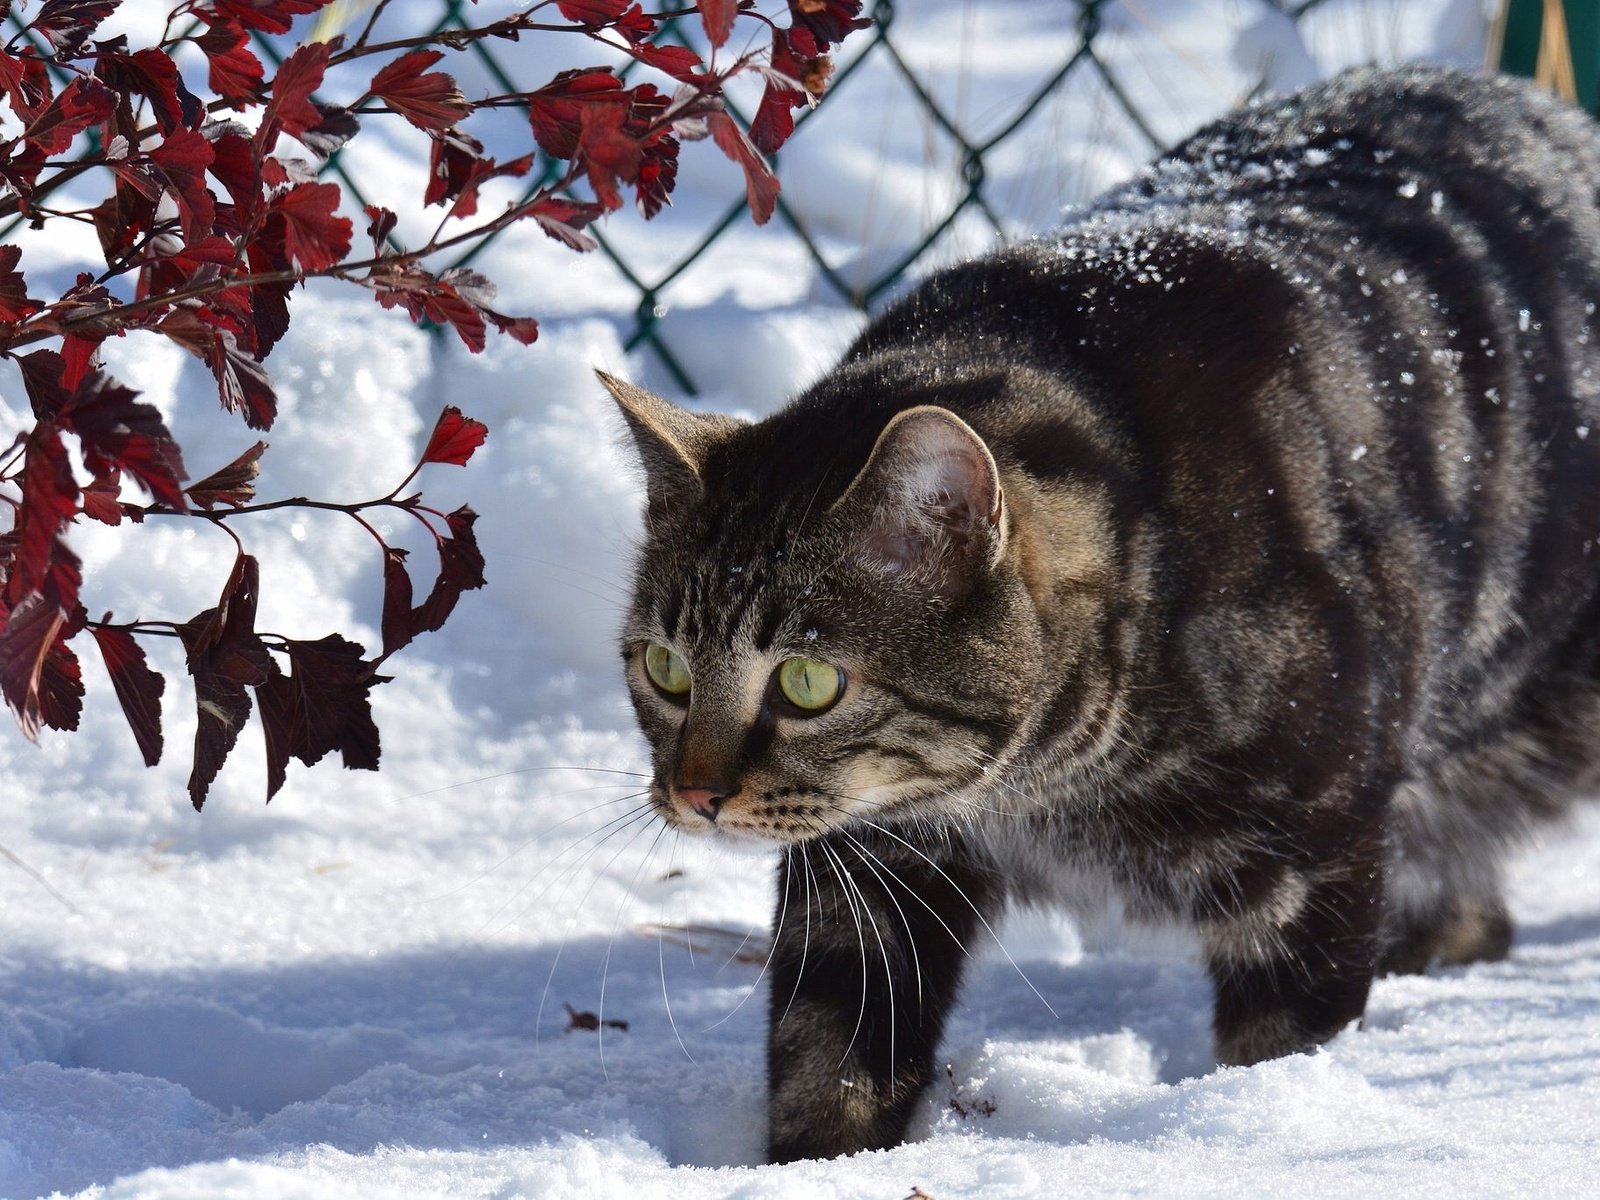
[1570, 54]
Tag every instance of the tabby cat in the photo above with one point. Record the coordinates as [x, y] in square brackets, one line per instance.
[1230, 552]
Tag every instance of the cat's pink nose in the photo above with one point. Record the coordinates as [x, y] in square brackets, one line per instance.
[705, 801]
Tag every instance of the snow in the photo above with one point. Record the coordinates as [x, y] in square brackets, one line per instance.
[360, 990]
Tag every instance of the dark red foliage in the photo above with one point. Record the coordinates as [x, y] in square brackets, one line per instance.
[829, 21]
[151, 74]
[138, 688]
[121, 436]
[233, 485]
[761, 186]
[39, 674]
[322, 705]
[594, 13]
[80, 104]
[15, 303]
[225, 656]
[455, 438]
[269, 16]
[182, 159]
[236, 74]
[208, 225]
[430, 100]
[460, 570]
[315, 236]
[290, 109]
[67, 24]
[717, 17]
[555, 110]
[26, 82]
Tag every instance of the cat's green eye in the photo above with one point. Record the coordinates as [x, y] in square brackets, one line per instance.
[666, 669]
[808, 684]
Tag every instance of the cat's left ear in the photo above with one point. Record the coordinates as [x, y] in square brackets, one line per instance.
[931, 501]
[672, 442]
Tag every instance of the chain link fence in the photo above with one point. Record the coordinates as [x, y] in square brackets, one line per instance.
[1078, 32]
[874, 48]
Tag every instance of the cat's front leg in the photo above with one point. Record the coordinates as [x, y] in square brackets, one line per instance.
[868, 947]
[1292, 952]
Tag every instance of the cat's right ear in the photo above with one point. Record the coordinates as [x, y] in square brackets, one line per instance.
[928, 501]
[672, 442]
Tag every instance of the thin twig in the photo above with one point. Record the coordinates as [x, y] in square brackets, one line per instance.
[41, 881]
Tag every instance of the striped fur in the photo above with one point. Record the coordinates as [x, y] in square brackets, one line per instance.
[1232, 551]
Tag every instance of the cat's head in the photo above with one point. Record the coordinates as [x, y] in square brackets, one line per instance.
[828, 621]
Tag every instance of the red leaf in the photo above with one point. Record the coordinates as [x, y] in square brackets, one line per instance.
[608, 152]
[233, 163]
[554, 109]
[290, 108]
[183, 157]
[77, 354]
[774, 120]
[593, 13]
[761, 186]
[454, 438]
[269, 16]
[15, 303]
[381, 224]
[235, 72]
[426, 297]
[314, 235]
[430, 100]
[773, 123]
[225, 655]
[657, 175]
[38, 691]
[680, 62]
[44, 563]
[457, 169]
[452, 156]
[275, 699]
[234, 484]
[397, 631]
[60, 688]
[242, 382]
[68, 24]
[565, 219]
[338, 126]
[41, 378]
[717, 17]
[460, 570]
[26, 83]
[101, 498]
[828, 20]
[522, 329]
[324, 705]
[154, 76]
[199, 261]
[635, 25]
[138, 688]
[120, 434]
[80, 104]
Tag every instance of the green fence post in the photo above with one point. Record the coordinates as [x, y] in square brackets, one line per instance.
[1524, 29]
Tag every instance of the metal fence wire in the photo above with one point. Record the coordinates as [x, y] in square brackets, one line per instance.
[878, 48]
[873, 46]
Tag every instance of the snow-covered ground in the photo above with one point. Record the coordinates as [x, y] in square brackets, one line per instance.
[362, 990]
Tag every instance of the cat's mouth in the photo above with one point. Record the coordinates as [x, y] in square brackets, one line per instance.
[784, 816]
